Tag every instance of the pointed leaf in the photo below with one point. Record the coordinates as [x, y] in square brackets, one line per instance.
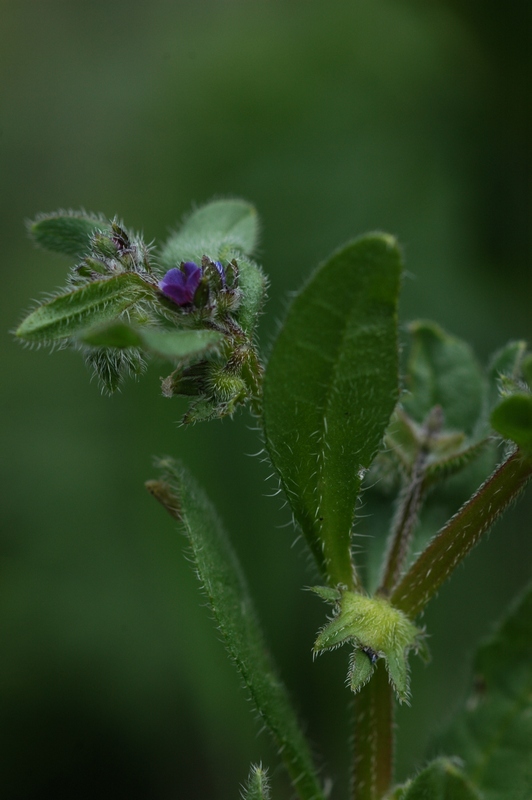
[215, 230]
[361, 669]
[225, 586]
[493, 735]
[66, 232]
[113, 334]
[441, 780]
[512, 418]
[257, 787]
[252, 284]
[180, 345]
[329, 390]
[173, 345]
[506, 361]
[111, 367]
[442, 370]
[447, 464]
[93, 304]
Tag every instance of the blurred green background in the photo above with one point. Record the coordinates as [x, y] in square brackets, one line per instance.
[333, 118]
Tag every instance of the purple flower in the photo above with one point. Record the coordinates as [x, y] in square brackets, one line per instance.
[180, 284]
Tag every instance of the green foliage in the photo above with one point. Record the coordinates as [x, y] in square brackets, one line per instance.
[115, 308]
[493, 734]
[216, 229]
[329, 390]
[377, 630]
[505, 363]
[257, 787]
[172, 345]
[253, 284]
[328, 401]
[442, 416]
[94, 303]
[443, 371]
[111, 366]
[512, 418]
[223, 229]
[224, 584]
[440, 780]
[66, 232]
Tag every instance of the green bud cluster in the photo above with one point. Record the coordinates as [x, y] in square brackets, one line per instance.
[112, 250]
[196, 304]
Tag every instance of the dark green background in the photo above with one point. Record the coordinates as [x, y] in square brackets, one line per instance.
[333, 118]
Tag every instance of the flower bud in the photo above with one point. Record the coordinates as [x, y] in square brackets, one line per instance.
[180, 284]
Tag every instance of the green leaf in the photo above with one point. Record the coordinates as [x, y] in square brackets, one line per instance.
[111, 367]
[442, 370]
[329, 390]
[493, 735]
[66, 232]
[504, 362]
[441, 780]
[173, 345]
[228, 596]
[216, 230]
[252, 284]
[512, 418]
[93, 304]
[257, 787]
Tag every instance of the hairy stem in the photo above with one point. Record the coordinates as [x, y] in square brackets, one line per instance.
[374, 737]
[405, 521]
[455, 540]
[410, 503]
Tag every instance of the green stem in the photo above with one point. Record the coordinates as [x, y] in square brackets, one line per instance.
[455, 540]
[374, 737]
[405, 521]
[411, 500]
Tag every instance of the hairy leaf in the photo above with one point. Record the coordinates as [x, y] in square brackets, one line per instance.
[442, 370]
[440, 780]
[493, 735]
[330, 387]
[173, 345]
[66, 232]
[504, 362]
[111, 367]
[512, 418]
[228, 595]
[252, 284]
[257, 787]
[216, 230]
[93, 304]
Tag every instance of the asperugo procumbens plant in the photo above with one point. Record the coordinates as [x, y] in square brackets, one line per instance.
[332, 407]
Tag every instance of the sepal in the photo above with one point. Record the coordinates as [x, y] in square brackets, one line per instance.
[377, 630]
